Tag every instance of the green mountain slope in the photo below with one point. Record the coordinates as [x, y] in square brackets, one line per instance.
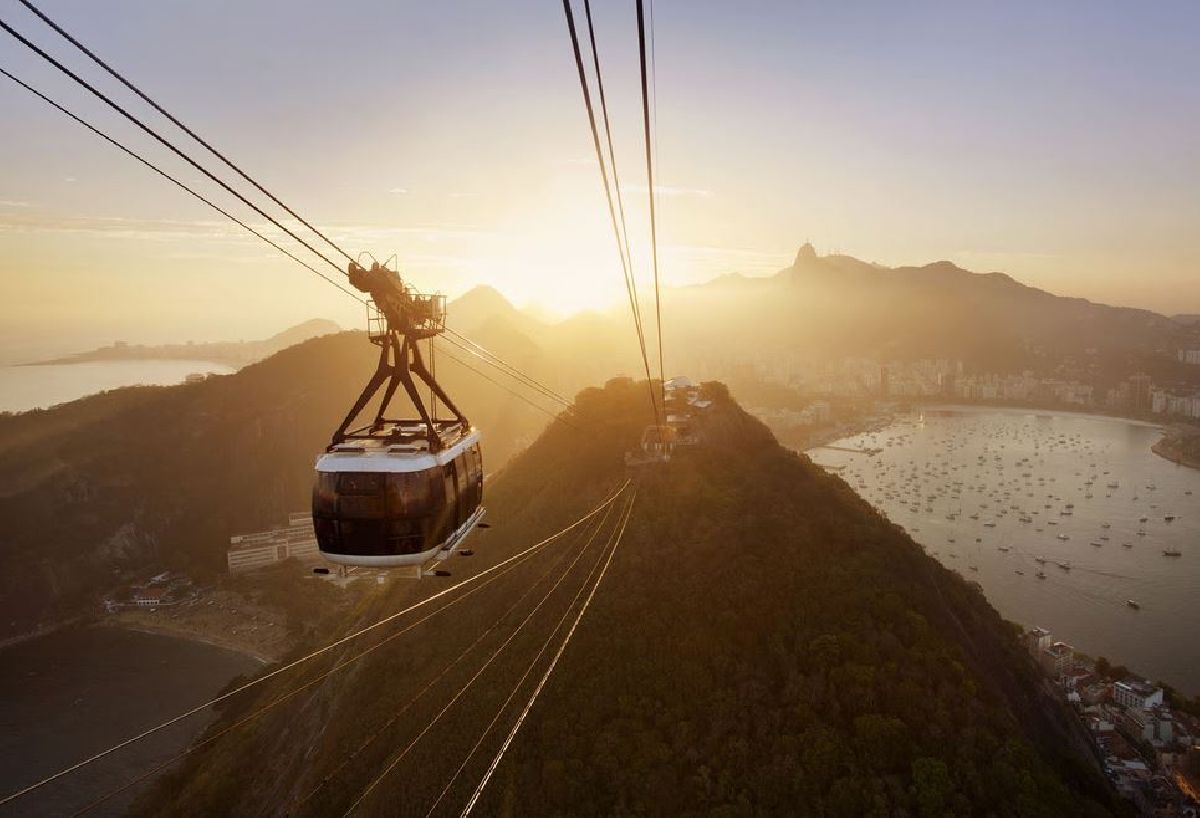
[763, 644]
[146, 478]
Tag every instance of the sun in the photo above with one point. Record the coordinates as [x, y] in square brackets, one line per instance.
[563, 261]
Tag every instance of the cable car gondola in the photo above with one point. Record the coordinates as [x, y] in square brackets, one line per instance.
[398, 491]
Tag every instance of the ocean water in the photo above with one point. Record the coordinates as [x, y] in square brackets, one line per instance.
[75, 692]
[989, 493]
[33, 387]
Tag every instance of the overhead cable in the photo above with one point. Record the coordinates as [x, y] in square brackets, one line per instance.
[120, 78]
[307, 657]
[163, 141]
[512, 734]
[591, 115]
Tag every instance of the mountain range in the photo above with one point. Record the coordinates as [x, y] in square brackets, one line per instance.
[230, 353]
[824, 308]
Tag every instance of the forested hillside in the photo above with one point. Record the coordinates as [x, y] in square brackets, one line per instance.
[147, 478]
[763, 644]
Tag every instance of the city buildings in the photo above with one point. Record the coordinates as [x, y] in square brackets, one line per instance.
[1137, 694]
[948, 380]
[1149, 753]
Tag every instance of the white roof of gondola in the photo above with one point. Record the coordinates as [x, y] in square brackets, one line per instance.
[679, 382]
[377, 455]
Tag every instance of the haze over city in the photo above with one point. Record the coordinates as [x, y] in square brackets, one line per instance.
[1057, 144]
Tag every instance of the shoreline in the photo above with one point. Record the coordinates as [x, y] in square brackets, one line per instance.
[1167, 446]
[29, 636]
[1166, 449]
[1162, 447]
[113, 621]
[151, 359]
[1042, 410]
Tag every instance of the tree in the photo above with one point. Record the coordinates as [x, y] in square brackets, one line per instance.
[931, 786]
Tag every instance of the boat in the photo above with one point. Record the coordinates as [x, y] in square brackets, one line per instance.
[1041, 574]
[1133, 603]
[1172, 552]
[1040, 560]
[1066, 566]
[1063, 537]
[1098, 544]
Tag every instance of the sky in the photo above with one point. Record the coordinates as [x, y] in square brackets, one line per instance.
[1058, 142]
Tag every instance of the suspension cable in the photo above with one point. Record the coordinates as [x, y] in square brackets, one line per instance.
[467, 345]
[612, 160]
[307, 657]
[295, 691]
[641, 20]
[550, 669]
[480, 351]
[474, 348]
[295, 804]
[29, 5]
[175, 181]
[487, 663]
[124, 81]
[629, 281]
[549, 412]
[512, 694]
[163, 141]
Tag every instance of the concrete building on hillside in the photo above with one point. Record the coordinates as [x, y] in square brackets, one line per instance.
[1057, 659]
[1037, 640]
[248, 552]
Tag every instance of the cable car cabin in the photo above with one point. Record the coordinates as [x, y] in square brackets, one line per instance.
[386, 499]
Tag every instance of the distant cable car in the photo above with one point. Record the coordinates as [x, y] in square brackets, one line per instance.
[398, 491]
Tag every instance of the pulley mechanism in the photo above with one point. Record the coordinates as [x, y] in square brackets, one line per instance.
[397, 318]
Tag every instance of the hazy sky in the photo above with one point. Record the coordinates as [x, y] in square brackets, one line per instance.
[1059, 142]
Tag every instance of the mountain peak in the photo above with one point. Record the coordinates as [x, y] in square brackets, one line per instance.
[805, 254]
[484, 296]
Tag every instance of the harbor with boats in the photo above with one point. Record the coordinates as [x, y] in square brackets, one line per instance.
[1064, 520]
